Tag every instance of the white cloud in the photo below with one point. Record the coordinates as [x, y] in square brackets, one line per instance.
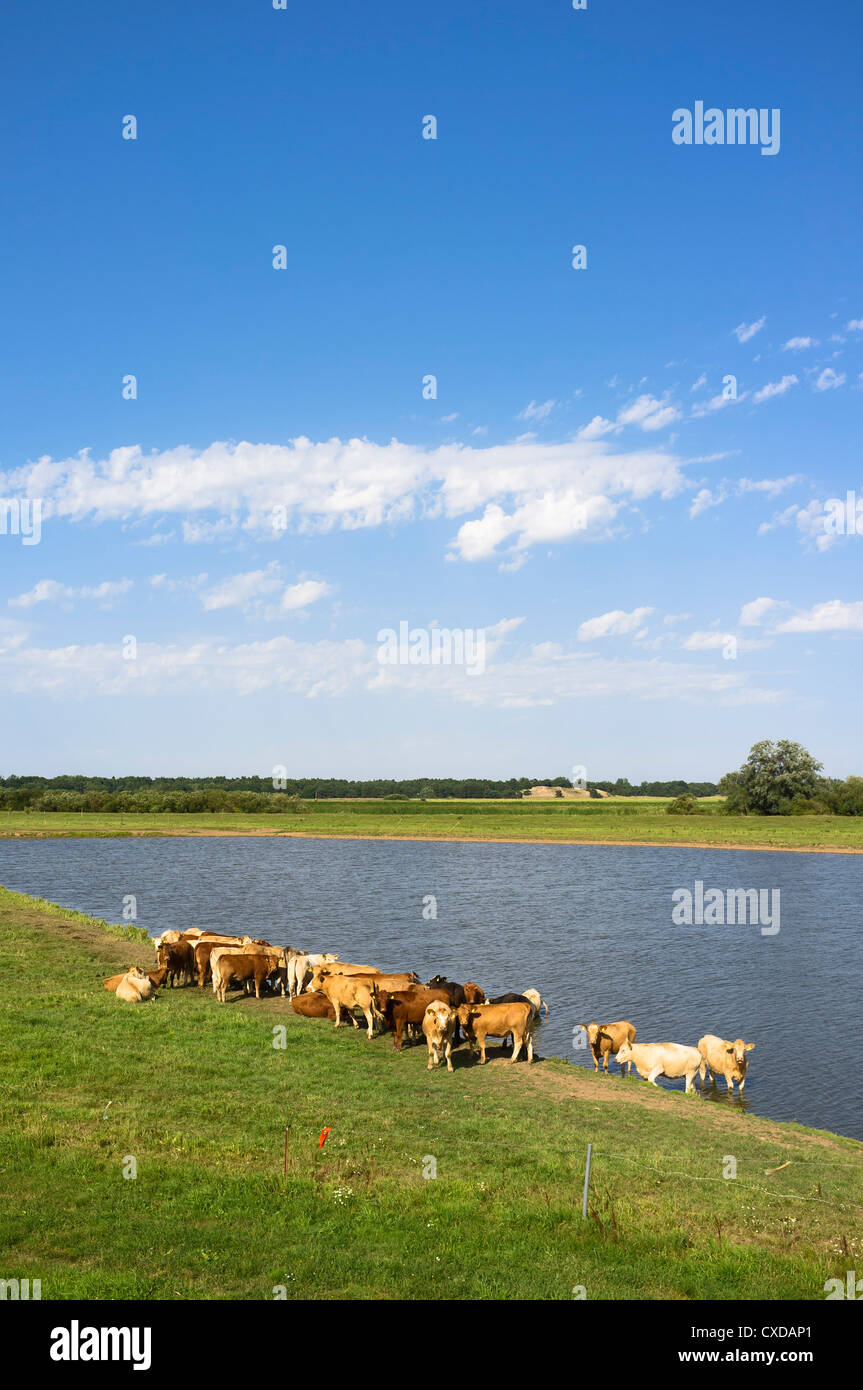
[300, 595]
[853, 326]
[770, 486]
[535, 411]
[596, 428]
[753, 614]
[50, 591]
[525, 678]
[648, 413]
[516, 488]
[829, 380]
[240, 589]
[833, 616]
[705, 499]
[798, 344]
[774, 388]
[617, 623]
[745, 331]
[697, 385]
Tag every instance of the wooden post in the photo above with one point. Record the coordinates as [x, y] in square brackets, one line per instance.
[287, 1136]
[586, 1183]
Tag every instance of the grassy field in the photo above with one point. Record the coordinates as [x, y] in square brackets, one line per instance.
[623, 820]
[197, 1095]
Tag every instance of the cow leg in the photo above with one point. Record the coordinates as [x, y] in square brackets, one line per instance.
[338, 1008]
[449, 1054]
[530, 1047]
[740, 1086]
[371, 1022]
[482, 1056]
[652, 1075]
[516, 1046]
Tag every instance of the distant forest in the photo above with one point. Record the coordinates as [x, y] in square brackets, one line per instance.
[201, 794]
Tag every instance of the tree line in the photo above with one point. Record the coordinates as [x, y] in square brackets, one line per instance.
[196, 795]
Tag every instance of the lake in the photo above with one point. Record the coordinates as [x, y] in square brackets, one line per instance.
[589, 926]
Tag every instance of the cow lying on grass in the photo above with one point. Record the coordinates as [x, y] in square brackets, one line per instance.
[314, 1006]
[438, 1025]
[156, 978]
[135, 986]
[662, 1059]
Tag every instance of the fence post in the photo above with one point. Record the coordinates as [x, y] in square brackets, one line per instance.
[586, 1183]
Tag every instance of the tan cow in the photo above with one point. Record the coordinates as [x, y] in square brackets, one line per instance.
[662, 1059]
[723, 1058]
[345, 993]
[438, 1025]
[605, 1040]
[156, 978]
[391, 983]
[536, 1000]
[135, 986]
[481, 1021]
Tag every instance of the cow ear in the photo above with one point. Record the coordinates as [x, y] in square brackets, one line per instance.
[747, 1047]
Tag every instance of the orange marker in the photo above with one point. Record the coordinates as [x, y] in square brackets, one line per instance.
[323, 1138]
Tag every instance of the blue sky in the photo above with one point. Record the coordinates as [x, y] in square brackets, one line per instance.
[578, 490]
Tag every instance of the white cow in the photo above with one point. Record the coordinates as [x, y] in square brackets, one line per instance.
[536, 1000]
[300, 966]
[662, 1059]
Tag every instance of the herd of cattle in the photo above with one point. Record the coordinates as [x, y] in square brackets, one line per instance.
[322, 986]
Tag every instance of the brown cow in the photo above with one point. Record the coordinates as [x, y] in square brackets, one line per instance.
[203, 949]
[496, 1020]
[473, 994]
[405, 1006]
[178, 959]
[313, 1006]
[606, 1039]
[252, 964]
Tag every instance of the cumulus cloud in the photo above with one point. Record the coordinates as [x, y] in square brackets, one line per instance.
[828, 380]
[753, 614]
[617, 623]
[798, 344]
[648, 413]
[745, 331]
[543, 675]
[524, 492]
[774, 388]
[51, 591]
[833, 616]
[243, 590]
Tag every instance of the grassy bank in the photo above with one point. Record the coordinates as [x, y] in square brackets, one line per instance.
[198, 1096]
[625, 820]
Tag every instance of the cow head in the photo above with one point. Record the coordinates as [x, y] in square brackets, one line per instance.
[316, 983]
[435, 981]
[737, 1051]
[624, 1051]
[593, 1031]
[473, 994]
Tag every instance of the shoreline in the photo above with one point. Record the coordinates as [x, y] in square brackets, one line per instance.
[256, 832]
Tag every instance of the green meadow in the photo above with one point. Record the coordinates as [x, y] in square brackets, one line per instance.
[623, 820]
[194, 1098]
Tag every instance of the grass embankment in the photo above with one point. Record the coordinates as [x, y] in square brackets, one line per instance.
[624, 820]
[196, 1093]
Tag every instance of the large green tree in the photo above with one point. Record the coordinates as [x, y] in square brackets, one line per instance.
[770, 779]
